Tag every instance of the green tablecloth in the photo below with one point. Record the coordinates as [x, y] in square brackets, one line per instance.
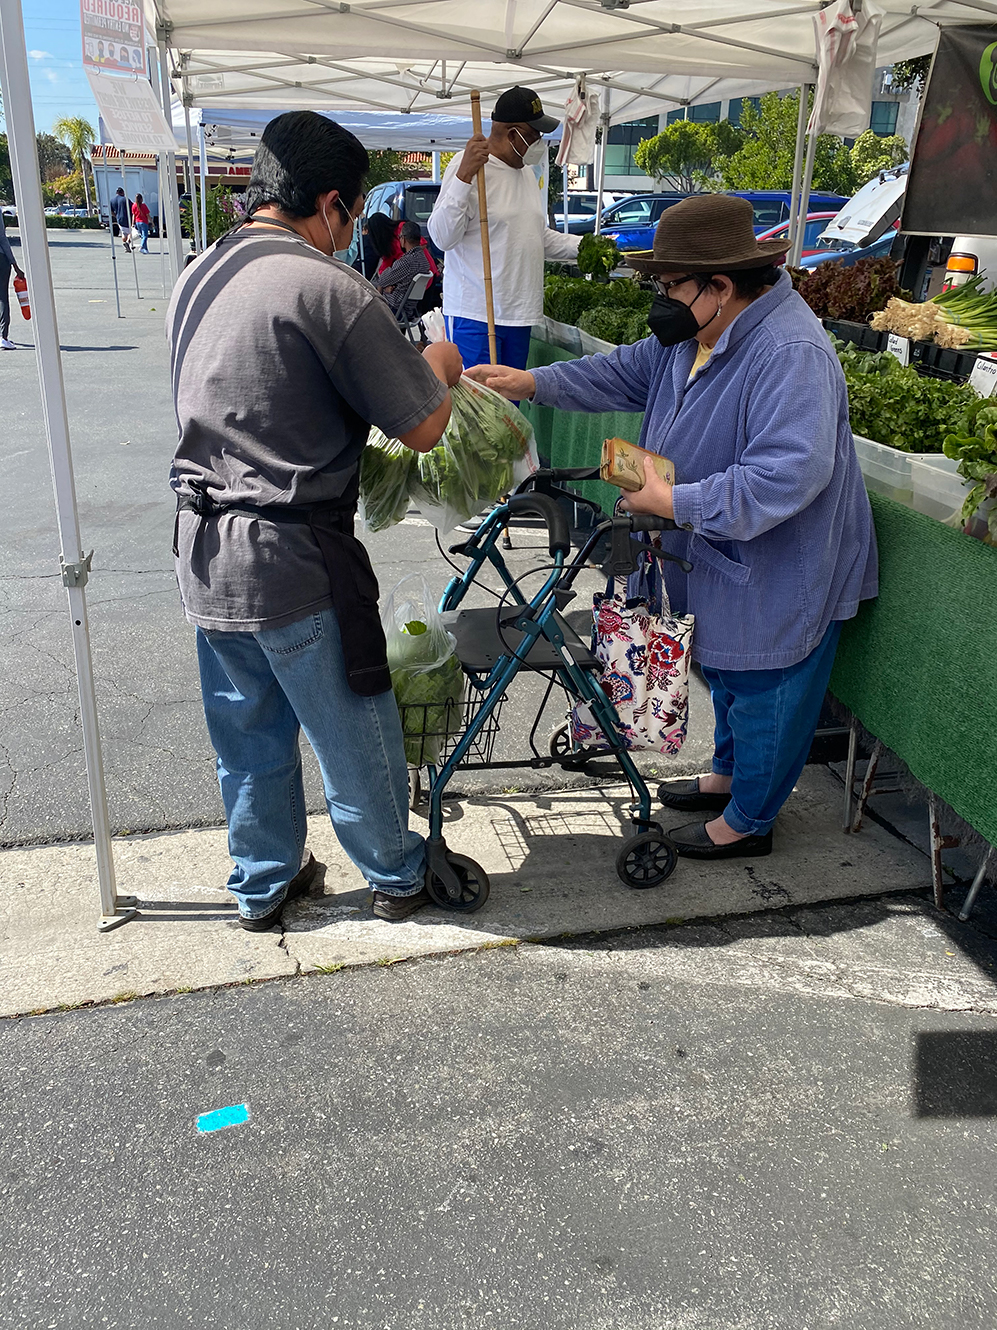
[917, 666]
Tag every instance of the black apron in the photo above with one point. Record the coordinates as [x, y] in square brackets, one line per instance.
[352, 582]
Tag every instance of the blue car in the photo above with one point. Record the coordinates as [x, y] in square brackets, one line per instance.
[632, 223]
[846, 254]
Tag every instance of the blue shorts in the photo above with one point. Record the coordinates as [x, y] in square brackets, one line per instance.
[512, 345]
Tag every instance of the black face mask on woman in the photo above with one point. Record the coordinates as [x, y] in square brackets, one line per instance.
[672, 322]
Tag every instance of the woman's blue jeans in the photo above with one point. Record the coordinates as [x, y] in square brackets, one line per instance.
[765, 724]
[259, 690]
[143, 230]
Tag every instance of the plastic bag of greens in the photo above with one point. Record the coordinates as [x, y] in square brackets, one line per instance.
[426, 677]
[486, 450]
[387, 472]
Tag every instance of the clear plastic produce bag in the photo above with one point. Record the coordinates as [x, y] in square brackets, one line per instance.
[426, 676]
[486, 450]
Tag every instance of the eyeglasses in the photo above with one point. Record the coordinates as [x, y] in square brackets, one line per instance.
[665, 287]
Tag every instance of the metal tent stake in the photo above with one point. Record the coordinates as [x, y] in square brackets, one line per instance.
[115, 909]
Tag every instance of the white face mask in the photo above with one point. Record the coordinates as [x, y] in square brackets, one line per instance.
[534, 151]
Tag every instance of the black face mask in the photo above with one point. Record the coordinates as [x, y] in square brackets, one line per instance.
[672, 322]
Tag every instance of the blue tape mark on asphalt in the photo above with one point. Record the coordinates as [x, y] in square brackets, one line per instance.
[223, 1117]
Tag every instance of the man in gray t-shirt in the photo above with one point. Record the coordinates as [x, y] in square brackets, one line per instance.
[283, 357]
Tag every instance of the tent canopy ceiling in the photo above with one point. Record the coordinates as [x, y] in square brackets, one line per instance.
[239, 128]
[435, 50]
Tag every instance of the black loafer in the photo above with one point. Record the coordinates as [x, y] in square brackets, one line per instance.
[687, 797]
[693, 842]
[298, 886]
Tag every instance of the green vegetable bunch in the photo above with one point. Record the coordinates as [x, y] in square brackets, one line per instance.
[473, 464]
[616, 311]
[428, 691]
[597, 255]
[977, 455]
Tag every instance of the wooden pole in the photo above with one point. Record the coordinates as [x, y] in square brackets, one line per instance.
[486, 254]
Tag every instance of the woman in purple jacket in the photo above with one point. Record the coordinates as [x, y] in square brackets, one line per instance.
[741, 388]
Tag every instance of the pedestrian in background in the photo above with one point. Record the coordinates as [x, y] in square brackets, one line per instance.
[121, 214]
[7, 262]
[140, 216]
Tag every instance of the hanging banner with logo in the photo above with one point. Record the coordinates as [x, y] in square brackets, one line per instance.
[113, 36]
[952, 185]
[133, 117]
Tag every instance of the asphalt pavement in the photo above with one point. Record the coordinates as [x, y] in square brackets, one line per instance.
[660, 1130]
[160, 768]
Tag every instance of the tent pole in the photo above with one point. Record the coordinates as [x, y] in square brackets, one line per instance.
[195, 211]
[124, 186]
[801, 133]
[114, 909]
[202, 162]
[564, 201]
[110, 217]
[150, 55]
[808, 175]
[176, 241]
[604, 123]
[436, 166]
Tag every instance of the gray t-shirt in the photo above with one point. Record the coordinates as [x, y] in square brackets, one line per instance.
[282, 360]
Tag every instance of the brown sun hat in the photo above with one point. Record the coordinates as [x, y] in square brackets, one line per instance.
[706, 233]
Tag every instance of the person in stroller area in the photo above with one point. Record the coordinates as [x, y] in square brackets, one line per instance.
[283, 356]
[741, 388]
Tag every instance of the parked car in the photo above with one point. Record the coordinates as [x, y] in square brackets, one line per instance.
[772, 206]
[847, 253]
[815, 224]
[405, 201]
[631, 222]
[581, 206]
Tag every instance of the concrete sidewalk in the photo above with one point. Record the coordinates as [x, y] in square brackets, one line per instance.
[550, 859]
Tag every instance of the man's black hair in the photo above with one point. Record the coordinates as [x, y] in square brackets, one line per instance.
[410, 231]
[301, 155]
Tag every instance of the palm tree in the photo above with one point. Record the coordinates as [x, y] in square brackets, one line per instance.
[77, 133]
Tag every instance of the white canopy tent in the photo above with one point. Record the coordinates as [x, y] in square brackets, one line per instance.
[412, 56]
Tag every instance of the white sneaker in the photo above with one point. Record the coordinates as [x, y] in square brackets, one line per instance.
[5, 345]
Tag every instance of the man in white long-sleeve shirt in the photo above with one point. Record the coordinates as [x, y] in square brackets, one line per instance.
[519, 237]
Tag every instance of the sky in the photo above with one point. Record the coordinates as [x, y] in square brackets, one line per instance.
[58, 83]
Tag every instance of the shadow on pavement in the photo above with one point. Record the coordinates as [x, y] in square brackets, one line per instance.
[955, 1074]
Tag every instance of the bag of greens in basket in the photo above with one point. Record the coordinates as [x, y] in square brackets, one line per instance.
[426, 677]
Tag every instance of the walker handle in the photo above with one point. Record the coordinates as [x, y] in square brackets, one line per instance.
[650, 522]
[559, 541]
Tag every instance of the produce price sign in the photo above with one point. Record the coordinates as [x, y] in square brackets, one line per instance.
[984, 375]
[899, 347]
[113, 36]
[952, 185]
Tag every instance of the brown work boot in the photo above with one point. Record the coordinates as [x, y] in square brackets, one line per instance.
[394, 908]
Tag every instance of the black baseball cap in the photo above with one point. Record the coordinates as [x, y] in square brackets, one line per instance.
[522, 106]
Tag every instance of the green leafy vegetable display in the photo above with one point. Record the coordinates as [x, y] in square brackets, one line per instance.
[597, 255]
[574, 300]
[474, 464]
[834, 291]
[976, 452]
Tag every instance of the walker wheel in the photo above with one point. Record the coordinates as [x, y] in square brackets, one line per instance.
[414, 788]
[474, 885]
[559, 744]
[646, 860]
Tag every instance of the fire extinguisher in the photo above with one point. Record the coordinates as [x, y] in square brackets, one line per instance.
[21, 290]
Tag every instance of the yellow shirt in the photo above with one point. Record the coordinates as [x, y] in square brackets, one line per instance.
[702, 356]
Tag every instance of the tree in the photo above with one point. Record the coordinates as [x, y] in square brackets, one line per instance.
[77, 133]
[686, 152]
[910, 75]
[54, 158]
[872, 154]
[6, 175]
[67, 189]
[387, 164]
[765, 159]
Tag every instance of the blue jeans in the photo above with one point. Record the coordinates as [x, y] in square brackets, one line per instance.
[259, 690]
[143, 230]
[512, 345]
[765, 724]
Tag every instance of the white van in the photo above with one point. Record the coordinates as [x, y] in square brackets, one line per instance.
[971, 255]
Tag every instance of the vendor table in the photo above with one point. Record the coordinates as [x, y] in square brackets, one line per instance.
[918, 665]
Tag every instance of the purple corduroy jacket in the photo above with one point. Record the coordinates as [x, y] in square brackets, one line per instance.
[768, 492]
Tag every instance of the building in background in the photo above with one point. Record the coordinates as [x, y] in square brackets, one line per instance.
[892, 113]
